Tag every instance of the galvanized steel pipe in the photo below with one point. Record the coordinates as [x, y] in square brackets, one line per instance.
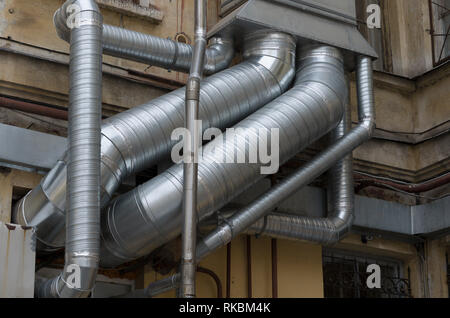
[325, 231]
[83, 168]
[156, 51]
[191, 149]
[138, 222]
[141, 137]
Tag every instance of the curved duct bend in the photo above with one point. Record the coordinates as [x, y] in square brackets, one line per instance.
[320, 230]
[340, 218]
[325, 231]
[83, 168]
[141, 137]
[147, 217]
[165, 53]
[153, 50]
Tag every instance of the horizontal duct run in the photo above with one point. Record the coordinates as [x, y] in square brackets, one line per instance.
[153, 50]
[141, 137]
[138, 222]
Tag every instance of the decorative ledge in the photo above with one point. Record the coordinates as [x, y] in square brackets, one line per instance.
[148, 12]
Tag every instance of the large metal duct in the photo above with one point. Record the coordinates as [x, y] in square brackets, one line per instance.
[83, 168]
[165, 53]
[138, 222]
[341, 212]
[141, 137]
[322, 230]
[153, 50]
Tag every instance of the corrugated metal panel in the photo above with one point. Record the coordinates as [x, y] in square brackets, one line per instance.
[17, 261]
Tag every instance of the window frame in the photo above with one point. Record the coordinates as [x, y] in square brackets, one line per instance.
[437, 61]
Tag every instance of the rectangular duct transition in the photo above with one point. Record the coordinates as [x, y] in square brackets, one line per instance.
[331, 22]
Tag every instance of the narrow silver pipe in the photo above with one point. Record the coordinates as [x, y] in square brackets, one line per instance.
[294, 227]
[191, 149]
[141, 137]
[150, 215]
[153, 50]
[83, 168]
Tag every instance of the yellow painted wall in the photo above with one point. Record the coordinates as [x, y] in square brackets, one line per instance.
[299, 270]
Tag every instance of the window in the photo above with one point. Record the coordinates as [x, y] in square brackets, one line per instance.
[440, 30]
[344, 276]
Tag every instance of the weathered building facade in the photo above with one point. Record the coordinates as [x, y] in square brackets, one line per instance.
[403, 169]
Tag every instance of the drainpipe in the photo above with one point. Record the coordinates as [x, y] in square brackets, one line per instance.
[83, 169]
[318, 230]
[190, 165]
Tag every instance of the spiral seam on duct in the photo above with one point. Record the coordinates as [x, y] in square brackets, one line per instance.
[149, 216]
[83, 169]
[141, 137]
[325, 231]
[153, 50]
[340, 218]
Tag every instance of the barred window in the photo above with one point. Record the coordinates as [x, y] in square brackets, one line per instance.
[345, 276]
[440, 30]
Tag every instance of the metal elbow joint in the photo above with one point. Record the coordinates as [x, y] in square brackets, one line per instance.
[219, 55]
[75, 13]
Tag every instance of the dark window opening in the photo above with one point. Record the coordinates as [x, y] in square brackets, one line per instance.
[440, 30]
[17, 194]
[345, 276]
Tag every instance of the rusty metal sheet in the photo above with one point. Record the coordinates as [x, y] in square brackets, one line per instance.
[17, 261]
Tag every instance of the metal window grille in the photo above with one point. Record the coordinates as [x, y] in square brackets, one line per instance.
[440, 30]
[345, 276]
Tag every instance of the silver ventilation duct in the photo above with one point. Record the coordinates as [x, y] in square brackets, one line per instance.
[327, 230]
[138, 222]
[322, 230]
[165, 53]
[83, 168]
[340, 218]
[141, 137]
[153, 50]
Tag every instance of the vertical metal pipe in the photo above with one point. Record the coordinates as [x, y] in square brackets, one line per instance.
[190, 166]
[83, 170]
